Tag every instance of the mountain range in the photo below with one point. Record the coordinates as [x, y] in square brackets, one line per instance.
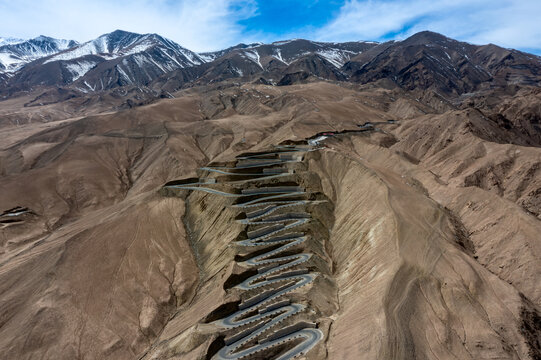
[121, 59]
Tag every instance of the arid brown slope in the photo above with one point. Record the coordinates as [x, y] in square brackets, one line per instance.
[434, 245]
[406, 289]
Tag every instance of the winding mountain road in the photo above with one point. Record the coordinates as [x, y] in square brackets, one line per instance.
[276, 276]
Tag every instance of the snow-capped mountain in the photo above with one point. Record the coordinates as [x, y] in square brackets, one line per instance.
[289, 51]
[9, 41]
[120, 58]
[273, 61]
[123, 58]
[114, 59]
[15, 53]
[121, 43]
[213, 55]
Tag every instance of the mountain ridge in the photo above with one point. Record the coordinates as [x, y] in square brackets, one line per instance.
[424, 60]
[16, 53]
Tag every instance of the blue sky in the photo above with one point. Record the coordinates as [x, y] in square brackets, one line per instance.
[203, 25]
[281, 18]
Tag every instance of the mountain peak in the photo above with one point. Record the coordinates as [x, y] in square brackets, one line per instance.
[10, 41]
[426, 36]
[122, 32]
[51, 43]
[15, 53]
[42, 38]
[119, 34]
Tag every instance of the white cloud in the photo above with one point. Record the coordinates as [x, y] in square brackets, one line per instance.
[508, 23]
[199, 25]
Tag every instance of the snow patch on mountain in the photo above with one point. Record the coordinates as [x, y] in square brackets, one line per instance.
[238, 71]
[80, 68]
[278, 43]
[94, 47]
[8, 60]
[139, 48]
[278, 55]
[193, 57]
[335, 56]
[123, 74]
[101, 47]
[208, 57]
[254, 56]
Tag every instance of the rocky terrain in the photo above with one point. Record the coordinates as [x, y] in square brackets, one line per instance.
[383, 202]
